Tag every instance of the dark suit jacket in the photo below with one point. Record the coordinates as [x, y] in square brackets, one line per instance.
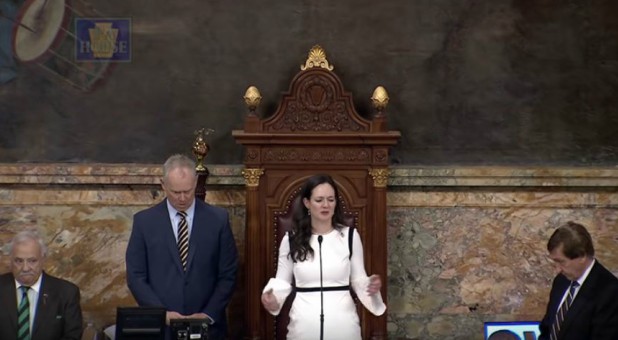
[594, 312]
[154, 271]
[58, 313]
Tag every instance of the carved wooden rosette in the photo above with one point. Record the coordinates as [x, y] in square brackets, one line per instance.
[315, 129]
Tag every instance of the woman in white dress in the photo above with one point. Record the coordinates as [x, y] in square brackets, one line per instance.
[320, 239]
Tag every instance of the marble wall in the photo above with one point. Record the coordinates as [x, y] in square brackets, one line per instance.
[85, 212]
[469, 245]
[466, 245]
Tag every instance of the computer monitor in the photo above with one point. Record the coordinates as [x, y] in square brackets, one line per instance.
[515, 330]
[140, 323]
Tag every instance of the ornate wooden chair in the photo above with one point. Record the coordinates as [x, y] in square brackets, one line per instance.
[315, 129]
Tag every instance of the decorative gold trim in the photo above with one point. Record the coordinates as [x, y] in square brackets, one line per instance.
[380, 98]
[317, 58]
[252, 176]
[252, 97]
[380, 177]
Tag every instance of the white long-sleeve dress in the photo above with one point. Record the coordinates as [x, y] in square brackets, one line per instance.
[338, 269]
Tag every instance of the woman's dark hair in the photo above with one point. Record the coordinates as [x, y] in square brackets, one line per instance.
[301, 221]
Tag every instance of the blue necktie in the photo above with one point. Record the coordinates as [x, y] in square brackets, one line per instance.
[562, 311]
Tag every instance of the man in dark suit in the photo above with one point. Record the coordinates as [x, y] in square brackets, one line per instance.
[583, 303]
[46, 308]
[196, 285]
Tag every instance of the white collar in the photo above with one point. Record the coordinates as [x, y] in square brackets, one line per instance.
[585, 274]
[35, 287]
[173, 210]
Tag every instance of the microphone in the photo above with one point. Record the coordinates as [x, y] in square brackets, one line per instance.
[320, 238]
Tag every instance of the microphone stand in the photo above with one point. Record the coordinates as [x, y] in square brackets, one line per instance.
[321, 292]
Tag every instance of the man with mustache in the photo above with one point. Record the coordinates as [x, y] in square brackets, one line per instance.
[33, 304]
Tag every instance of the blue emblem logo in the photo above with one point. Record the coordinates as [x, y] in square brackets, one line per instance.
[101, 39]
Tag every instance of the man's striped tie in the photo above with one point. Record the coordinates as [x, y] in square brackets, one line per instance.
[23, 315]
[183, 239]
[562, 311]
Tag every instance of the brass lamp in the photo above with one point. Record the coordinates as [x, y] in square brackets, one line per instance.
[200, 148]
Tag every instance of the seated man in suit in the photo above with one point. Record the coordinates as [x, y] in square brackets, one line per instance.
[33, 304]
[182, 254]
[583, 302]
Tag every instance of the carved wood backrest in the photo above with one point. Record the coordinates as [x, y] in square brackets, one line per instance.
[315, 129]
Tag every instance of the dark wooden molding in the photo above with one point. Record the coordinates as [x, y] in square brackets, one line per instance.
[200, 189]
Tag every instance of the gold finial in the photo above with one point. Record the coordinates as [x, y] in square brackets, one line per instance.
[252, 98]
[317, 58]
[201, 148]
[379, 98]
